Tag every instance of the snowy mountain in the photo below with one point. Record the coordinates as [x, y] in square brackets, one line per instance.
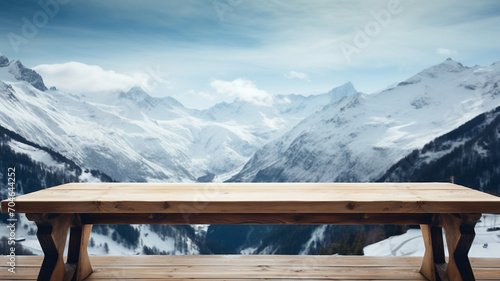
[38, 167]
[80, 131]
[16, 70]
[359, 137]
[135, 137]
[470, 153]
[274, 119]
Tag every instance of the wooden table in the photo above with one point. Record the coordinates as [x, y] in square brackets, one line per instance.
[76, 207]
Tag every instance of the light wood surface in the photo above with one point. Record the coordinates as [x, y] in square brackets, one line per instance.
[257, 198]
[233, 268]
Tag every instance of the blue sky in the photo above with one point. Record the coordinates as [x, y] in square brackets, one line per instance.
[187, 49]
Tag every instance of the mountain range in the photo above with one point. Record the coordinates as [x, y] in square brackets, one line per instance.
[360, 136]
[441, 122]
[132, 136]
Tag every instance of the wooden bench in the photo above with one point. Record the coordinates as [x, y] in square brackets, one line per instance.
[434, 206]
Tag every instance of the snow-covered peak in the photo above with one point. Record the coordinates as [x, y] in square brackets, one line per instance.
[451, 65]
[141, 97]
[20, 72]
[447, 66]
[4, 61]
[135, 94]
[172, 101]
[341, 91]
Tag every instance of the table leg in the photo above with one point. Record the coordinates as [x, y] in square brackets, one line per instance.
[434, 264]
[77, 252]
[52, 235]
[459, 232]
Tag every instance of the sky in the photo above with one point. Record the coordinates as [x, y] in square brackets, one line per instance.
[202, 52]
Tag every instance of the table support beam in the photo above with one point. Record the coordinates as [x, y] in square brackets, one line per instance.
[459, 232]
[77, 252]
[433, 264]
[52, 234]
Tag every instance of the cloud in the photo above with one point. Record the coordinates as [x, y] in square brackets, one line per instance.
[200, 94]
[243, 89]
[262, 40]
[446, 52]
[80, 77]
[196, 99]
[297, 75]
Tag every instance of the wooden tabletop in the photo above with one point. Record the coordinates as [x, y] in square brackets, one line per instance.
[257, 198]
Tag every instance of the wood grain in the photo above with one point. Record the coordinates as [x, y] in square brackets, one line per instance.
[388, 268]
[257, 198]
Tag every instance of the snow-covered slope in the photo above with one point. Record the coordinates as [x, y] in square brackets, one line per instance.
[486, 242]
[135, 137]
[38, 167]
[470, 153]
[359, 137]
[85, 133]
